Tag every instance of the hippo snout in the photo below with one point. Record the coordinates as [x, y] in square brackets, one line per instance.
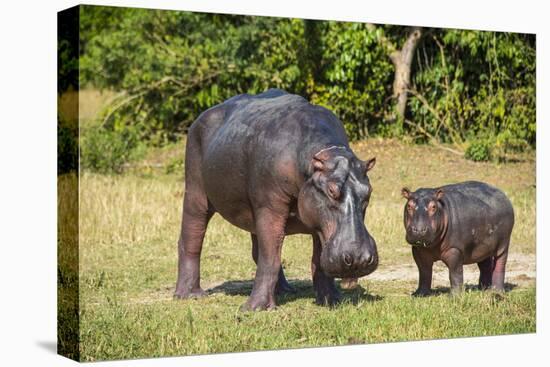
[419, 230]
[354, 261]
[419, 236]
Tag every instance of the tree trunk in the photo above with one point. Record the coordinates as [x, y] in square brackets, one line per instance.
[402, 61]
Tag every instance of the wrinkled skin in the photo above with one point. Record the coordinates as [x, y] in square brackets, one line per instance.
[275, 165]
[465, 223]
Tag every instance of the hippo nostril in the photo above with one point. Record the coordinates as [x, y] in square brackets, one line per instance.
[370, 260]
[367, 260]
[348, 260]
[420, 231]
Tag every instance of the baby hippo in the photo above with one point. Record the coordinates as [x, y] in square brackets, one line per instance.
[464, 223]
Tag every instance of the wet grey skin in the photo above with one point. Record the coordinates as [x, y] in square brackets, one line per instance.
[463, 223]
[275, 165]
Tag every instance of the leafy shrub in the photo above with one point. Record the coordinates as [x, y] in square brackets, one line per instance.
[357, 77]
[478, 151]
[470, 84]
[174, 165]
[107, 151]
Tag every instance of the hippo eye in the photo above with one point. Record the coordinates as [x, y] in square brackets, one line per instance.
[432, 207]
[333, 191]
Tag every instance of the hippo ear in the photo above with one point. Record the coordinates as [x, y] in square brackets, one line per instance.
[439, 194]
[318, 165]
[370, 164]
[406, 193]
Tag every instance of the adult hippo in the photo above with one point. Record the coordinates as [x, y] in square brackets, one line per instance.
[464, 223]
[275, 165]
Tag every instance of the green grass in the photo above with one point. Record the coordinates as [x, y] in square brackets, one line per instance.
[214, 324]
[129, 226]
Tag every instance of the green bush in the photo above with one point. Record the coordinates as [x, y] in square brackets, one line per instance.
[174, 165]
[106, 151]
[357, 78]
[497, 147]
[478, 151]
[472, 84]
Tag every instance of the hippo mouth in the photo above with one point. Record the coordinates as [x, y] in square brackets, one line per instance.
[420, 243]
[349, 274]
[336, 270]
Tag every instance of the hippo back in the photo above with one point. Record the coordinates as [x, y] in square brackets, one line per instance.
[473, 206]
[478, 194]
[270, 124]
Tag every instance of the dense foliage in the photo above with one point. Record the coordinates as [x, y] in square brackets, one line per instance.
[467, 86]
[477, 87]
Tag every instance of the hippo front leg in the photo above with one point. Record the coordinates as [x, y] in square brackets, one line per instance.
[326, 293]
[270, 232]
[454, 260]
[282, 284]
[424, 261]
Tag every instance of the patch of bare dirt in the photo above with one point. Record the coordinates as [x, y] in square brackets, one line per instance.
[520, 269]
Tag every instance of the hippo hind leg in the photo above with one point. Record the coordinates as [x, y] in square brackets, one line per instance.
[282, 284]
[485, 273]
[193, 229]
[499, 268]
[197, 212]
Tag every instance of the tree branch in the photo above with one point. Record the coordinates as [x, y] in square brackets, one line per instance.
[382, 39]
[184, 87]
[454, 134]
[433, 139]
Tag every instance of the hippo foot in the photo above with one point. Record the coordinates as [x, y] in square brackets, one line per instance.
[348, 283]
[257, 304]
[330, 300]
[421, 293]
[195, 293]
[326, 293]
